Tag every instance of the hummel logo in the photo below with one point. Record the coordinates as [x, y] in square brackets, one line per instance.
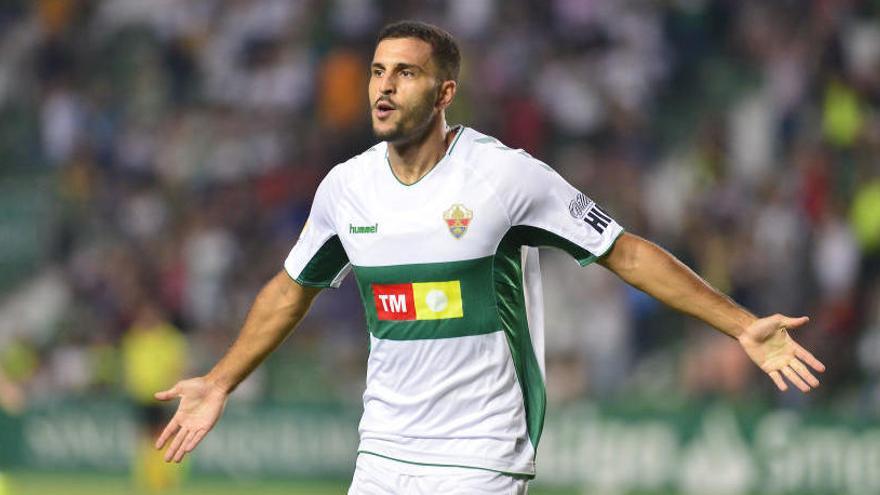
[363, 229]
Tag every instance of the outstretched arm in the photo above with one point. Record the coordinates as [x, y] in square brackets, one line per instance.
[279, 306]
[648, 267]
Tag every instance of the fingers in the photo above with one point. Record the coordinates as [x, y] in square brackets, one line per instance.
[777, 379]
[191, 444]
[181, 451]
[804, 372]
[789, 322]
[795, 379]
[808, 358]
[167, 394]
[169, 430]
[184, 442]
[171, 453]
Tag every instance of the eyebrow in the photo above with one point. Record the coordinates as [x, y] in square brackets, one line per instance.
[398, 66]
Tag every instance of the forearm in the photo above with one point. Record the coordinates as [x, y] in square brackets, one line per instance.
[278, 307]
[653, 270]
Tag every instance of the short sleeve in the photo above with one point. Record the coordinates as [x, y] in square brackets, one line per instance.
[545, 210]
[318, 258]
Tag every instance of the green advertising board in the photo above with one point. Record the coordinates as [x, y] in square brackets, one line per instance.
[698, 450]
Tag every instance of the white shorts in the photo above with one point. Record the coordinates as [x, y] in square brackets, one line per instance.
[376, 475]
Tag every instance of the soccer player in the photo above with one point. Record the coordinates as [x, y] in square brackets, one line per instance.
[440, 225]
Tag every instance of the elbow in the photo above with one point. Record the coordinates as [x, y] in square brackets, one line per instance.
[287, 297]
[298, 310]
[626, 255]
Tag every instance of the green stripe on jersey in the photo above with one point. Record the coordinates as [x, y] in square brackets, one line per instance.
[325, 265]
[525, 235]
[477, 296]
[508, 276]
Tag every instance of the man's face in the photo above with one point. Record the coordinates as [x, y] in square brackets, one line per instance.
[403, 89]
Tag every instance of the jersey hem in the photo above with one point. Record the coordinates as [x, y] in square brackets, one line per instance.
[593, 257]
[314, 285]
[306, 283]
[417, 463]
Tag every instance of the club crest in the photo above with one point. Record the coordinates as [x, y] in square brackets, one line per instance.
[457, 219]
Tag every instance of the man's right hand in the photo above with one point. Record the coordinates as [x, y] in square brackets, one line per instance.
[279, 306]
[201, 404]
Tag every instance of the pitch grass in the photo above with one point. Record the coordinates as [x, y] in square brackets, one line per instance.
[33, 483]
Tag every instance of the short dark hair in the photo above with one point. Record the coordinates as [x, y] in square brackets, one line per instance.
[443, 46]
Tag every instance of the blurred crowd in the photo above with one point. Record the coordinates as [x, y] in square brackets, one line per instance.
[185, 139]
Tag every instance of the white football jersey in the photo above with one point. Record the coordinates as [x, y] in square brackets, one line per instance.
[448, 273]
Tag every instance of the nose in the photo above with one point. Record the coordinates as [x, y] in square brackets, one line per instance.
[386, 86]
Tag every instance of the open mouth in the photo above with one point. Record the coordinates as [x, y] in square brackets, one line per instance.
[384, 109]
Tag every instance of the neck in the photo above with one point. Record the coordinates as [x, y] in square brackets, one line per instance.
[413, 159]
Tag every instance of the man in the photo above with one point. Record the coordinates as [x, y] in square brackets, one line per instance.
[439, 225]
[154, 355]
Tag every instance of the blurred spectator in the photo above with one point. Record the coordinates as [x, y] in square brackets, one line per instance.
[342, 83]
[154, 354]
[154, 358]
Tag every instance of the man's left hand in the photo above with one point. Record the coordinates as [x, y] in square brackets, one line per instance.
[770, 346]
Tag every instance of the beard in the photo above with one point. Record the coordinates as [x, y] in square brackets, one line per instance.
[411, 122]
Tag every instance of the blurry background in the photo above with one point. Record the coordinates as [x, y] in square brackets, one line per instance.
[158, 159]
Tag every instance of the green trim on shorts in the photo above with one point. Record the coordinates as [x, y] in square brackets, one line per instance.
[506, 473]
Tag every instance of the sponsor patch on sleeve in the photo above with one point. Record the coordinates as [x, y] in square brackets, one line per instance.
[584, 208]
[579, 205]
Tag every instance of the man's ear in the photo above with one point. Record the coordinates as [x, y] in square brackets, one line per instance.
[446, 93]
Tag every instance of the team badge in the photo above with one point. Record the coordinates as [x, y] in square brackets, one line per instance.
[457, 219]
